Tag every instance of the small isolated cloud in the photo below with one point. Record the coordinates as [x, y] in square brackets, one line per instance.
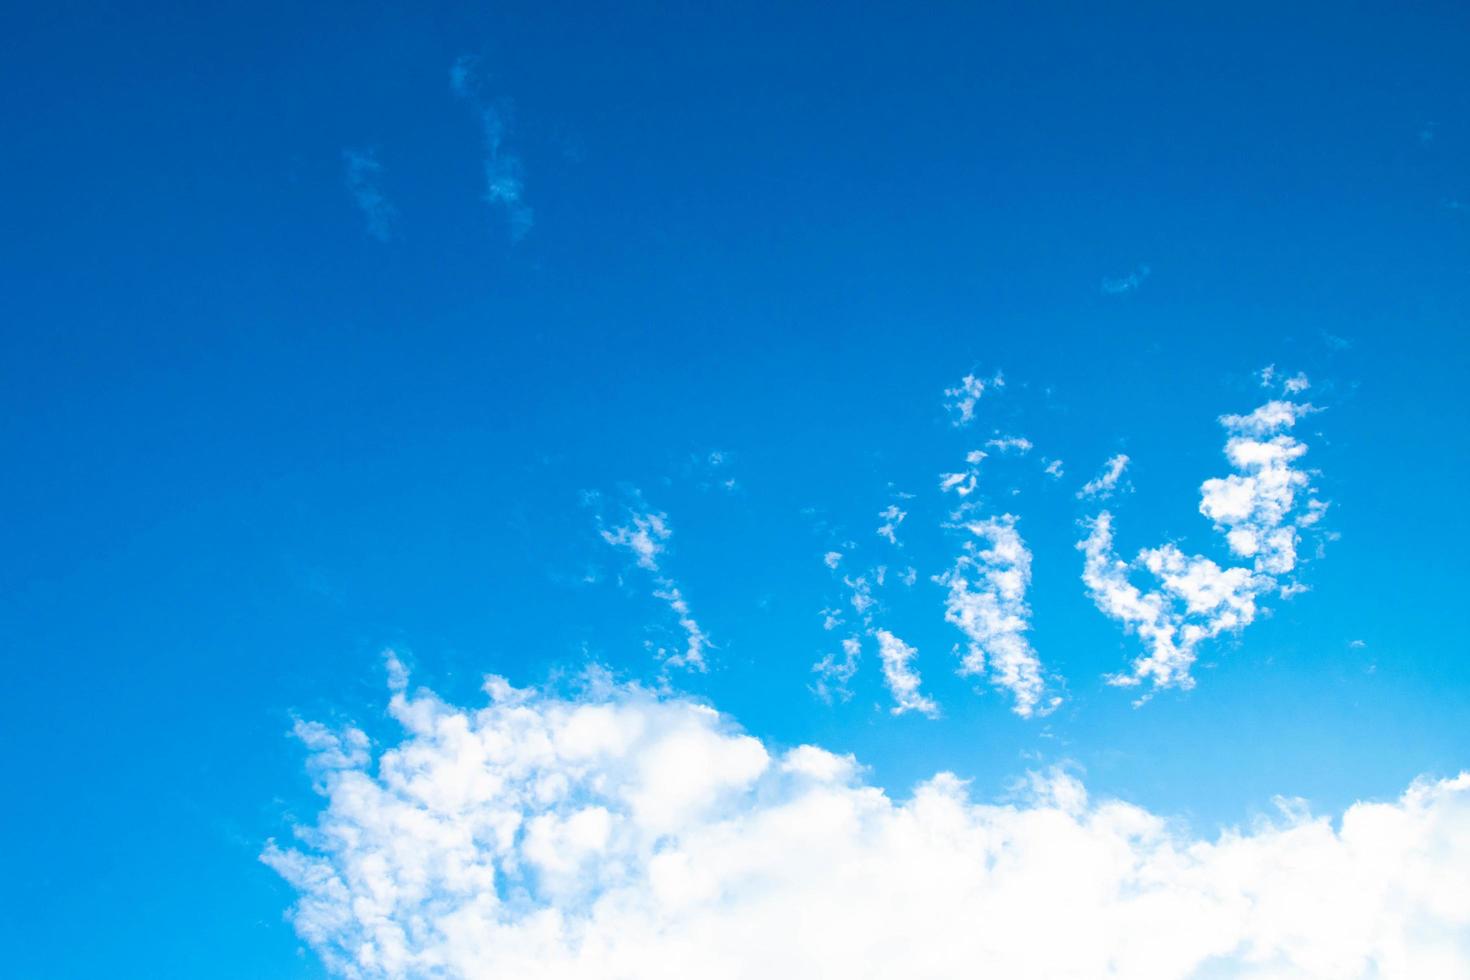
[1103, 485]
[892, 517]
[1126, 284]
[504, 185]
[963, 483]
[1053, 468]
[960, 401]
[901, 677]
[1010, 444]
[616, 835]
[987, 603]
[644, 537]
[1261, 510]
[832, 559]
[364, 174]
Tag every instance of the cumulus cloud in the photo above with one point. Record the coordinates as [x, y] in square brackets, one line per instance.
[504, 185]
[987, 603]
[1260, 509]
[644, 537]
[364, 173]
[616, 835]
[960, 401]
[901, 677]
[1010, 444]
[1103, 485]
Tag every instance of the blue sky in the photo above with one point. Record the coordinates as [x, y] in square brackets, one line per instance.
[334, 330]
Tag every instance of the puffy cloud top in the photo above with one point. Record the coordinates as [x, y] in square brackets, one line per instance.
[619, 834]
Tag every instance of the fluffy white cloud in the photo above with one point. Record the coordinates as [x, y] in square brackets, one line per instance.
[1103, 485]
[961, 400]
[987, 602]
[902, 679]
[1260, 509]
[618, 835]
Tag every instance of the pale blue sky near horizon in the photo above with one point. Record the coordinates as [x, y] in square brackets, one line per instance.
[333, 330]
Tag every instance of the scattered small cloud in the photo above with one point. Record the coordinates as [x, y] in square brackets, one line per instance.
[644, 537]
[960, 401]
[1105, 483]
[892, 517]
[1019, 445]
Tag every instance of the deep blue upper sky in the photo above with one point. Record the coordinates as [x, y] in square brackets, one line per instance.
[248, 443]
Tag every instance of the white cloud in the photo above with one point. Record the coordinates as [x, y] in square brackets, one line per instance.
[1103, 485]
[619, 836]
[832, 558]
[1008, 444]
[964, 483]
[1260, 509]
[892, 517]
[364, 172]
[1253, 507]
[1053, 468]
[644, 537]
[960, 400]
[834, 674]
[900, 676]
[987, 602]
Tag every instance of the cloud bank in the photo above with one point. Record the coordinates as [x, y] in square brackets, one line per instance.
[616, 834]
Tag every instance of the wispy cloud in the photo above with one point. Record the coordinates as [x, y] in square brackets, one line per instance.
[364, 173]
[614, 833]
[1126, 284]
[644, 537]
[1103, 485]
[1019, 445]
[901, 677]
[504, 184]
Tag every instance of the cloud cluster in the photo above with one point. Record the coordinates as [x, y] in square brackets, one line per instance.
[1260, 509]
[835, 672]
[619, 836]
[960, 401]
[987, 603]
[644, 537]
